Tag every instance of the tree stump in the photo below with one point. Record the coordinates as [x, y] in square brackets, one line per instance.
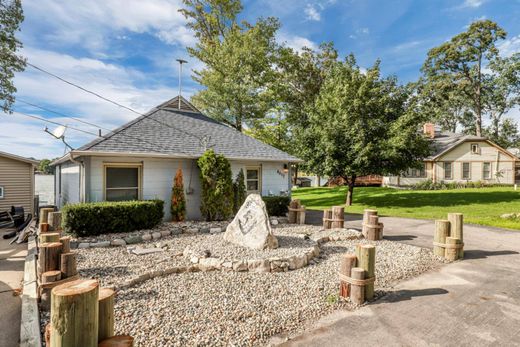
[367, 213]
[68, 265]
[49, 237]
[65, 244]
[49, 256]
[456, 229]
[367, 261]
[338, 215]
[106, 313]
[348, 261]
[442, 230]
[54, 220]
[452, 252]
[357, 292]
[43, 217]
[74, 314]
[293, 214]
[118, 341]
[51, 276]
[327, 216]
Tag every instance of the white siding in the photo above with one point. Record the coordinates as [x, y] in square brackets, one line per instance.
[70, 184]
[273, 181]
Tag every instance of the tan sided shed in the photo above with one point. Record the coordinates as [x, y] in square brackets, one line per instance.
[16, 182]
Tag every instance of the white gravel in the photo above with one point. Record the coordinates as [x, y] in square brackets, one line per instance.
[238, 309]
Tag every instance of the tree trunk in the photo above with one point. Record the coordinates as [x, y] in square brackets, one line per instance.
[295, 174]
[350, 193]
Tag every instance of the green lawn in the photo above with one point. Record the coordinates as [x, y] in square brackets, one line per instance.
[479, 206]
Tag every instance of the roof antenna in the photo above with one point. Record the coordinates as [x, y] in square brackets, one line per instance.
[181, 61]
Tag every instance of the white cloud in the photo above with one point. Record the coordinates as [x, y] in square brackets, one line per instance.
[359, 32]
[472, 3]
[509, 46]
[406, 46]
[92, 23]
[295, 42]
[312, 13]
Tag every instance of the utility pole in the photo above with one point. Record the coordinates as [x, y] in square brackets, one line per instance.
[181, 61]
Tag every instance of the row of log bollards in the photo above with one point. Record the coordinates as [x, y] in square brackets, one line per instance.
[357, 274]
[448, 240]
[372, 229]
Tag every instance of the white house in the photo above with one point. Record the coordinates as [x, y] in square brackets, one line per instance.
[461, 158]
[139, 160]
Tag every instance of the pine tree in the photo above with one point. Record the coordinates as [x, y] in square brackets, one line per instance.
[178, 206]
[239, 190]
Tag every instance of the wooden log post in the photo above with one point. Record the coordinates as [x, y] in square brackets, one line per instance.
[68, 265]
[442, 230]
[367, 261]
[452, 251]
[47, 335]
[74, 314]
[106, 313]
[327, 216]
[49, 256]
[49, 237]
[300, 216]
[54, 221]
[456, 230]
[65, 244]
[357, 292]
[367, 213]
[44, 214]
[44, 227]
[348, 261]
[372, 228]
[118, 341]
[338, 215]
[51, 276]
[293, 214]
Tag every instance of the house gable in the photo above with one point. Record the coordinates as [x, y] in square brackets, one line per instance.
[462, 152]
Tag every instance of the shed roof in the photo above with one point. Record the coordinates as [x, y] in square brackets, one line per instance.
[19, 158]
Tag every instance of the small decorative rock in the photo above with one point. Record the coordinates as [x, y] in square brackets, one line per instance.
[130, 240]
[205, 230]
[156, 235]
[176, 231]
[215, 230]
[100, 244]
[165, 233]
[84, 245]
[118, 242]
[274, 221]
[192, 230]
[146, 237]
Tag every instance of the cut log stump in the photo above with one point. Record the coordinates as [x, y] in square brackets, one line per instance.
[74, 314]
[54, 220]
[442, 230]
[452, 252]
[49, 256]
[106, 313]
[338, 216]
[348, 261]
[65, 244]
[456, 229]
[367, 261]
[327, 216]
[357, 292]
[366, 218]
[68, 265]
[43, 217]
[118, 341]
[49, 237]
[293, 214]
[51, 276]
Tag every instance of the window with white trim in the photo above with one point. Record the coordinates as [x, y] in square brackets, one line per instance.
[122, 182]
[448, 172]
[486, 170]
[416, 173]
[253, 180]
[1, 192]
[466, 171]
[475, 149]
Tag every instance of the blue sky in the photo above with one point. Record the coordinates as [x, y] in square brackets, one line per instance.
[126, 50]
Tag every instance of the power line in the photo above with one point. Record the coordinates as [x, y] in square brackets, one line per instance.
[202, 141]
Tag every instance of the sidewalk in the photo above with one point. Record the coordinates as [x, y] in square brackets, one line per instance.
[12, 259]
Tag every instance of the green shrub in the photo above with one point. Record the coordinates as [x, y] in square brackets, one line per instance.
[239, 191]
[429, 185]
[277, 205]
[178, 201]
[96, 218]
[217, 186]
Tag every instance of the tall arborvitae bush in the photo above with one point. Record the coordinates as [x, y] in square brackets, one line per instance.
[178, 206]
[217, 186]
[239, 191]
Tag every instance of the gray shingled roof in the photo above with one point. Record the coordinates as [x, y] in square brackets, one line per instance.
[446, 140]
[185, 134]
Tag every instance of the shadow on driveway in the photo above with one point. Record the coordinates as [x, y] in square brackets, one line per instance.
[478, 254]
[404, 294]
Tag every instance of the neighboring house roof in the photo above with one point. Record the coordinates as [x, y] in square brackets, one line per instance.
[444, 142]
[183, 133]
[34, 162]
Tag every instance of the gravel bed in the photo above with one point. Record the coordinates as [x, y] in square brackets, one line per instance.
[245, 309]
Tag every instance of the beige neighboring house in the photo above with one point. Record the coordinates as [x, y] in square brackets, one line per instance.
[16, 182]
[461, 158]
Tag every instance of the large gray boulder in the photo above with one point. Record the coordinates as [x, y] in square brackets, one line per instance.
[251, 227]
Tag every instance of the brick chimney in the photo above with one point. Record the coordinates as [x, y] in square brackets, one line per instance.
[429, 130]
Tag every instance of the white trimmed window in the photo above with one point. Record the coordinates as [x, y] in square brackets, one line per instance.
[122, 182]
[466, 171]
[486, 170]
[1, 192]
[416, 173]
[475, 149]
[253, 180]
[448, 172]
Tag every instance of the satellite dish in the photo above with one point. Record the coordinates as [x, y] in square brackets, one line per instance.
[59, 132]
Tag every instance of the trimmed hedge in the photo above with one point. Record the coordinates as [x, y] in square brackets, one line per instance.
[277, 205]
[96, 218]
[429, 185]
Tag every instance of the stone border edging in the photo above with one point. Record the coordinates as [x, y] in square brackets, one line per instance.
[30, 319]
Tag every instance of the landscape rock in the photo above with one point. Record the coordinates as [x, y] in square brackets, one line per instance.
[130, 240]
[250, 227]
[274, 221]
[166, 232]
[146, 237]
[259, 265]
[205, 230]
[142, 251]
[156, 235]
[117, 242]
[100, 244]
[83, 245]
[215, 230]
[176, 231]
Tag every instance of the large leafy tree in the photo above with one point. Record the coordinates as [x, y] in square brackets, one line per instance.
[361, 124]
[11, 16]
[460, 64]
[238, 59]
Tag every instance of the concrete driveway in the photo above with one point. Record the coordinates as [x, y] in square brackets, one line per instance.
[473, 302]
[12, 260]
